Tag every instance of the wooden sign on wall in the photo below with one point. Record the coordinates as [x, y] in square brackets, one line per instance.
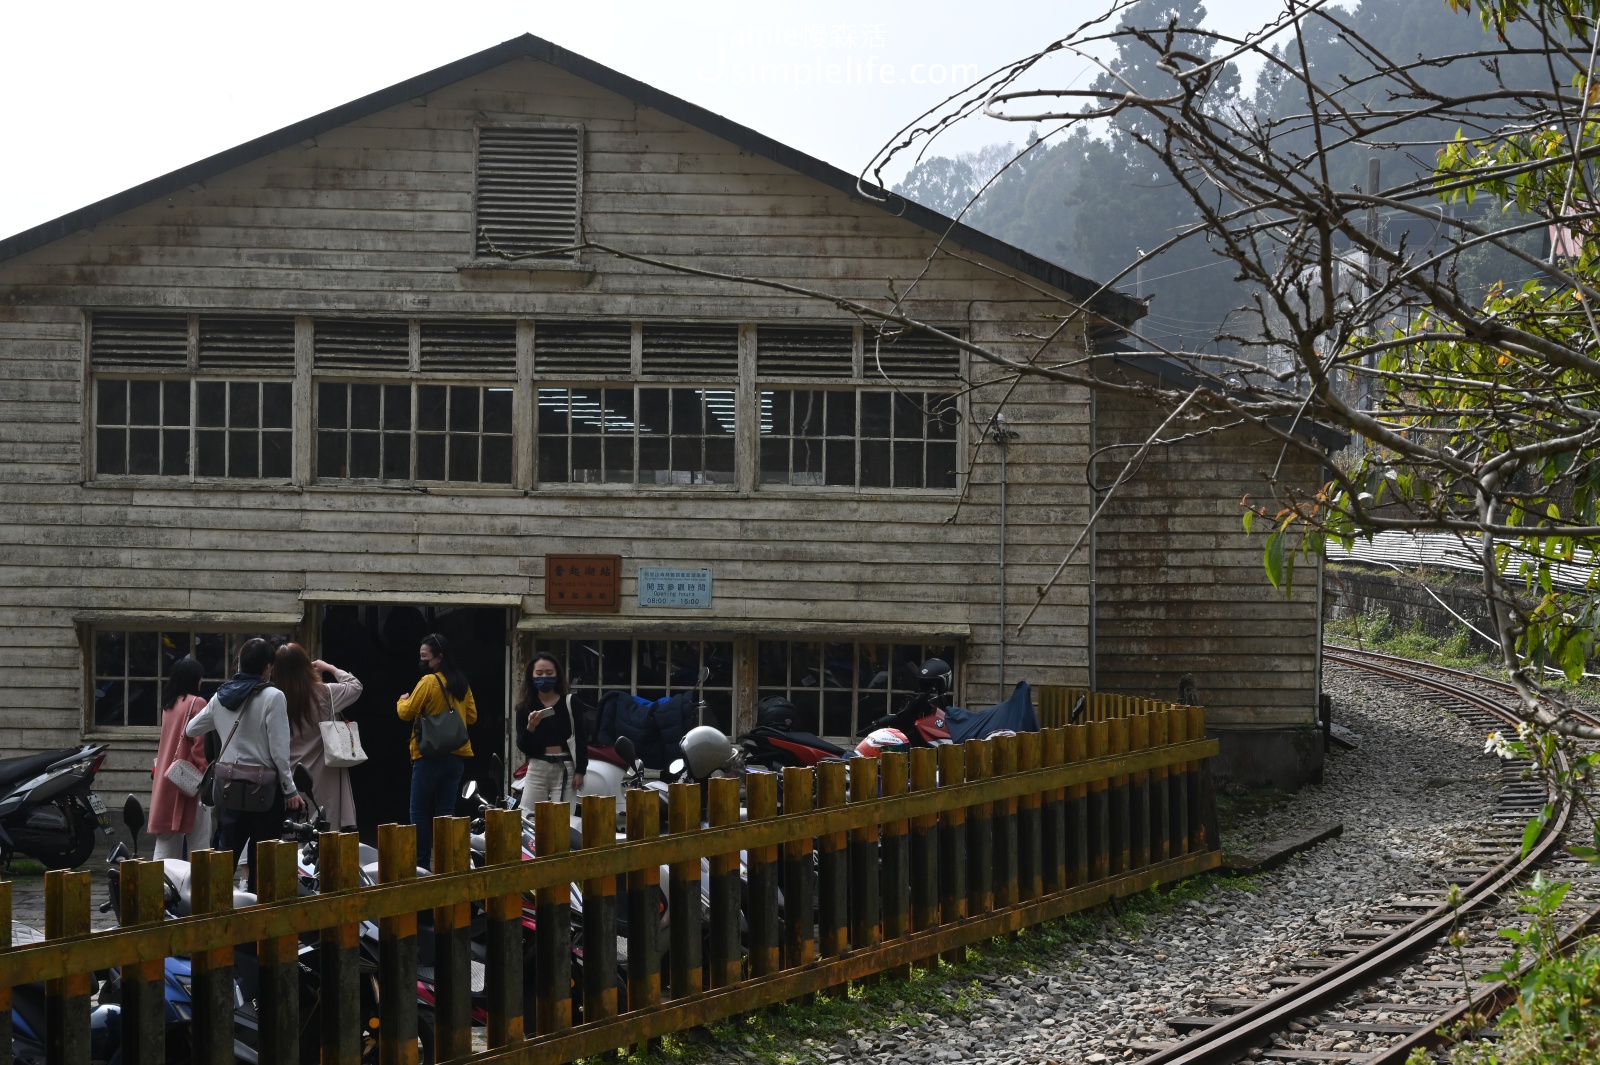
[583, 582]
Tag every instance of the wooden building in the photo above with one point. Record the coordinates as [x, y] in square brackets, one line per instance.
[297, 388]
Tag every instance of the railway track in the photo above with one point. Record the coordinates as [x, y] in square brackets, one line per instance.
[1383, 990]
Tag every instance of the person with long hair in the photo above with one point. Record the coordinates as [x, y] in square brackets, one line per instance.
[435, 781]
[178, 820]
[550, 733]
[312, 701]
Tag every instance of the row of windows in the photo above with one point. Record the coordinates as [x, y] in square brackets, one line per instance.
[838, 687]
[623, 434]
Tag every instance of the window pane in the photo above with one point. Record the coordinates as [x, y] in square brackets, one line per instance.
[496, 460]
[142, 695]
[616, 663]
[330, 454]
[431, 407]
[175, 403]
[175, 452]
[553, 411]
[397, 456]
[775, 412]
[774, 461]
[430, 457]
[112, 403]
[687, 412]
[397, 406]
[944, 418]
[874, 463]
[721, 416]
[144, 402]
[807, 462]
[497, 410]
[365, 406]
[111, 450]
[719, 711]
[618, 458]
[110, 647]
[874, 414]
[809, 408]
[210, 452]
[211, 650]
[174, 645]
[108, 701]
[463, 455]
[144, 451]
[552, 458]
[586, 459]
[654, 416]
[277, 406]
[686, 460]
[331, 405]
[655, 461]
[719, 460]
[653, 668]
[144, 654]
[464, 409]
[907, 464]
[277, 454]
[841, 414]
[210, 403]
[244, 458]
[908, 417]
[941, 465]
[244, 405]
[364, 457]
[840, 463]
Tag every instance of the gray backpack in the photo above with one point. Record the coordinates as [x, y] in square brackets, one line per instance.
[441, 733]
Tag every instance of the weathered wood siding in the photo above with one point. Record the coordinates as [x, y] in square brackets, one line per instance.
[1181, 588]
[376, 217]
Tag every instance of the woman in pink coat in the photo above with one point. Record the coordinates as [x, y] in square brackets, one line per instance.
[177, 819]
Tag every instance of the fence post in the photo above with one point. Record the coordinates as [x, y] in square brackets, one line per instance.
[278, 880]
[211, 891]
[833, 887]
[141, 885]
[1139, 792]
[552, 936]
[1053, 815]
[1004, 826]
[896, 872]
[953, 847]
[1178, 785]
[799, 936]
[866, 929]
[66, 914]
[1118, 793]
[1078, 861]
[1030, 875]
[599, 914]
[397, 952]
[452, 947]
[502, 978]
[723, 809]
[761, 800]
[339, 869]
[683, 902]
[1202, 801]
[980, 833]
[644, 887]
[924, 849]
[1099, 804]
[1160, 800]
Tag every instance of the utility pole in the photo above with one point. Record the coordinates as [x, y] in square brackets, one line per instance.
[1368, 281]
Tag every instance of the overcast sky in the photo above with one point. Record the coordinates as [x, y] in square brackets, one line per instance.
[101, 96]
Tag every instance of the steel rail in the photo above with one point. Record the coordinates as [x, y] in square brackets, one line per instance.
[1232, 1037]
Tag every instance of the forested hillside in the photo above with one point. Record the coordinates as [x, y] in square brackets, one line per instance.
[1092, 202]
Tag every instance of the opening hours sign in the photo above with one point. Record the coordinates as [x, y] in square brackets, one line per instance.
[583, 582]
[686, 588]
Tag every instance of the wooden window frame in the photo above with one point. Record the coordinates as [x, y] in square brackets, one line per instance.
[414, 383]
[193, 476]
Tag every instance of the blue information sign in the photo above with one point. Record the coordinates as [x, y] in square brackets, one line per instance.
[674, 587]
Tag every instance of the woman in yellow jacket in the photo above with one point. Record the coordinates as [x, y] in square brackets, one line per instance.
[436, 781]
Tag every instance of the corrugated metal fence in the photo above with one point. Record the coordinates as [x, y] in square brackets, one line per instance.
[869, 866]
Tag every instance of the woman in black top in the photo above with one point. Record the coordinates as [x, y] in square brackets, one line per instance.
[550, 734]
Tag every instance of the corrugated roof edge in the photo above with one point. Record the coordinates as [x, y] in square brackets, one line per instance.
[1114, 305]
[1166, 369]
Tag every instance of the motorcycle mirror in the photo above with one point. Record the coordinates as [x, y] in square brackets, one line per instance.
[497, 776]
[625, 749]
[302, 779]
[133, 818]
[676, 768]
[469, 790]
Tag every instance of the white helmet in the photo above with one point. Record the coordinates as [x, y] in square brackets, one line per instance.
[880, 740]
[706, 750]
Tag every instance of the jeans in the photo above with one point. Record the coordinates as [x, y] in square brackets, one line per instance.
[238, 830]
[435, 784]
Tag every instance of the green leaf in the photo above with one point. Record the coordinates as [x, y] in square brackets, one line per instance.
[1272, 558]
[1530, 835]
[1249, 521]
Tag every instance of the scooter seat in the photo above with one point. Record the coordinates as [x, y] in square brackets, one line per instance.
[14, 771]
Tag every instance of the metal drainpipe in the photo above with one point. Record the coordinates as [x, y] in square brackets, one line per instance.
[1002, 437]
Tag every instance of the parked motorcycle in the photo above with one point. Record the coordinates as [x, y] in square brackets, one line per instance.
[48, 808]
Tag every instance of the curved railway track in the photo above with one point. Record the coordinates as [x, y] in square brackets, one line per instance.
[1496, 866]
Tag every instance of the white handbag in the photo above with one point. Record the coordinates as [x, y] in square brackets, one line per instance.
[184, 776]
[341, 743]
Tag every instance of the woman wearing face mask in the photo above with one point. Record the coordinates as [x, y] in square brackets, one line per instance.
[550, 734]
[436, 780]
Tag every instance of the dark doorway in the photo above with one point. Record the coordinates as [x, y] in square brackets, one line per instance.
[378, 643]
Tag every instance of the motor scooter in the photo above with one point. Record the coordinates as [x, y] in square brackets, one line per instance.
[48, 808]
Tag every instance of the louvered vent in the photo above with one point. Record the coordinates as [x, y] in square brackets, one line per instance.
[583, 347]
[804, 351]
[246, 343]
[527, 189]
[363, 344]
[912, 355]
[140, 341]
[691, 350]
[483, 347]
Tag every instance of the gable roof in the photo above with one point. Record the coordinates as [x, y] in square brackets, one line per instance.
[1113, 305]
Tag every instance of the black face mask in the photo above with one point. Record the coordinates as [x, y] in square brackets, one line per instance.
[424, 665]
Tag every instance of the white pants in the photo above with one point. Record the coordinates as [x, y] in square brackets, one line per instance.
[546, 782]
[178, 845]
